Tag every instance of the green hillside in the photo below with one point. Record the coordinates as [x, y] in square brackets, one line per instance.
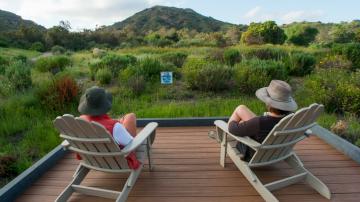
[157, 17]
[11, 22]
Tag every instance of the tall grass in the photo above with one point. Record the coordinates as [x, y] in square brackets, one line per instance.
[203, 107]
[11, 52]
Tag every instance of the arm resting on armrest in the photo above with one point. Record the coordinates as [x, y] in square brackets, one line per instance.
[140, 137]
[246, 140]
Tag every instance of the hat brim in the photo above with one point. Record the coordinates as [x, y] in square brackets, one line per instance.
[105, 106]
[264, 96]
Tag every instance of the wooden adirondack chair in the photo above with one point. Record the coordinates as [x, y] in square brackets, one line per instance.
[278, 146]
[99, 152]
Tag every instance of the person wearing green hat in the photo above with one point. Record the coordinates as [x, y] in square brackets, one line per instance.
[94, 105]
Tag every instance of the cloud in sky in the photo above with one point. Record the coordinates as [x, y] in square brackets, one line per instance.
[81, 13]
[302, 15]
[253, 12]
[259, 14]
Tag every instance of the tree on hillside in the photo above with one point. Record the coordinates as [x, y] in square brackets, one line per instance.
[58, 35]
[233, 35]
[357, 35]
[342, 33]
[261, 33]
[218, 39]
[300, 34]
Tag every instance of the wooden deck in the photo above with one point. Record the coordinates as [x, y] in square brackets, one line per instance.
[187, 169]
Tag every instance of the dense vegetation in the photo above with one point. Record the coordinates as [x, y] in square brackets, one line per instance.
[213, 73]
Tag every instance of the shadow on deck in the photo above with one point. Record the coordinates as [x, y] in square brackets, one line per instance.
[187, 169]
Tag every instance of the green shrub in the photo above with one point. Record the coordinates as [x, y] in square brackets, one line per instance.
[4, 41]
[253, 74]
[53, 64]
[351, 51]
[191, 67]
[112, 62]
[176, 58]
[300, 64]
[195, 63]
[19, 75]
[232, 56]
[300, 34]
[58, 50]
[337, 89]
[3, 63]
[37, 46]
[266, 53]
[149, 69]
[136, 84]
[103, 76]
[207, 76]
[216, 55]
[334, 61]
[155, 39]
[6, 87]
[21, 58]
[262, 33]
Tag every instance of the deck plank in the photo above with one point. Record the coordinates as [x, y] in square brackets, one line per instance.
[187, 169]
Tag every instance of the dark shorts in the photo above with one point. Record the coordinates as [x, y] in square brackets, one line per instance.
[247, 151]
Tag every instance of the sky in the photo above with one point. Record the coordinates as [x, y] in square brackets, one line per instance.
[92, 13]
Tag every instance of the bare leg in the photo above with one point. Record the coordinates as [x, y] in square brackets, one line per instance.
[241, 113]
[129, 122]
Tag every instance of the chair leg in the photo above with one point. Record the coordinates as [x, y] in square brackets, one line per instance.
[251, 177]
[129, 185]
[223, 146]
[310, 179]
[148, 153]
[79, 176]
[319, 186]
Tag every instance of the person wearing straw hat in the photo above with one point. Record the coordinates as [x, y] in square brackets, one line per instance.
[94, 105]
[243, 122]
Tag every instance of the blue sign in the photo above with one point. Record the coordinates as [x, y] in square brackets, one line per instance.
[166, 77]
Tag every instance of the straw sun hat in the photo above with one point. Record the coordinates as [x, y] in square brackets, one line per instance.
[277, 95]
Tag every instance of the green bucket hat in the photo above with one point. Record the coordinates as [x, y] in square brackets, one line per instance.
[95, 101]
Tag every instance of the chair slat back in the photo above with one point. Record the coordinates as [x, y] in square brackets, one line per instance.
[282, 138]
[79, 128]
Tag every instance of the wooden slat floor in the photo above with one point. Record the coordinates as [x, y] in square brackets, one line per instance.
[187, 169]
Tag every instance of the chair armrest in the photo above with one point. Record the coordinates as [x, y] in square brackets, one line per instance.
[140, 137]
[65, 144]
[246, 140]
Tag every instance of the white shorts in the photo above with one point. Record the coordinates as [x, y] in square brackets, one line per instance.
[121, 135]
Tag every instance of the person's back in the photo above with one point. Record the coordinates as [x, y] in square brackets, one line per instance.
[256, 128]
[94, 105]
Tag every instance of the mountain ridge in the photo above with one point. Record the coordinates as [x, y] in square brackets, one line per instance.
[11, 22]
[157, 17]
